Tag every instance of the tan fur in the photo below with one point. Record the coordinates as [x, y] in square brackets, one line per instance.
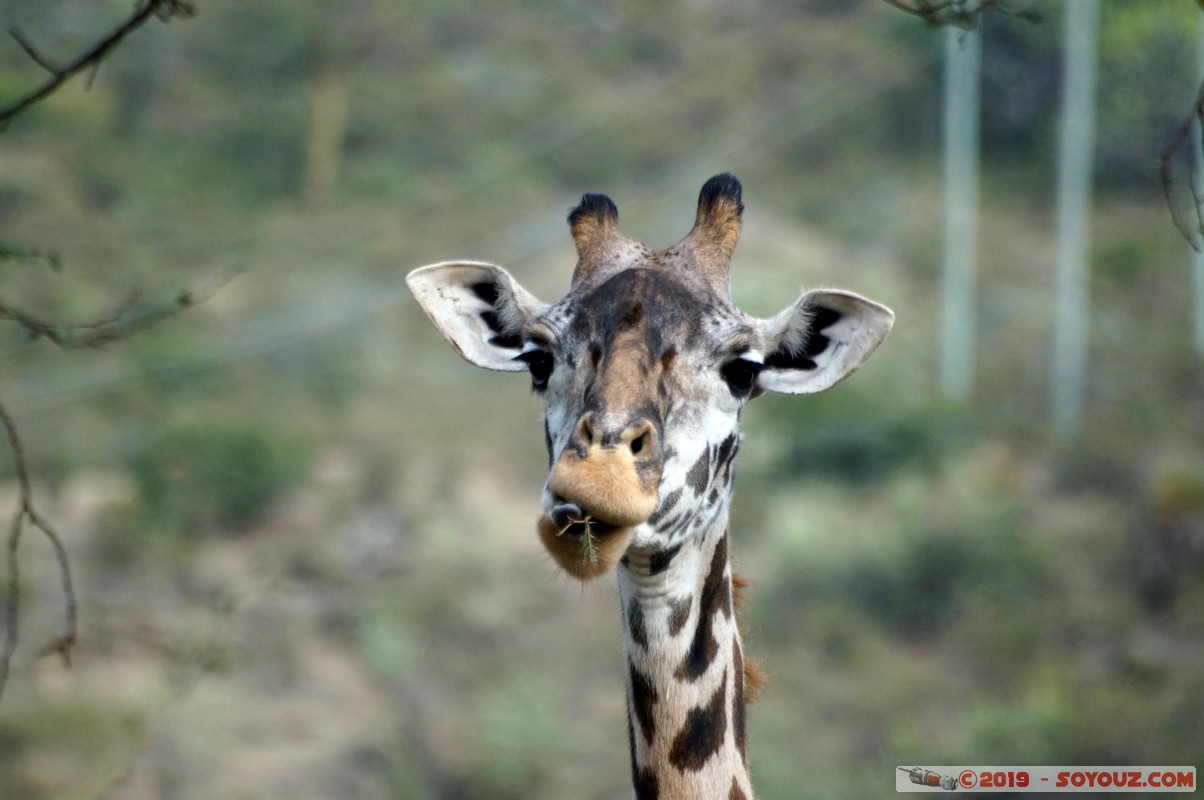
[717, 230]
[568, 551]
[592, 234]
[628, 377]
[605, 485]
[610, 484]
[602, 249]
[706, 252]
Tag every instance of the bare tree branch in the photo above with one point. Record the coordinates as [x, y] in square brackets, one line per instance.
[117, 325]
[32, 53]
[1180, 149]
[1185, 202]
[962, 13]
[95, 333]
[25, 511]
[91, 58]
[121, 323]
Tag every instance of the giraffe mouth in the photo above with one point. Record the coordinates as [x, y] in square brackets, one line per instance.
[573, 521]
[582, 544]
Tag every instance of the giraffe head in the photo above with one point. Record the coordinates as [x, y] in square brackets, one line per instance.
[644, 365]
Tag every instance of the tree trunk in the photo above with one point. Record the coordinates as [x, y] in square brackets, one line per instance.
[1075, 155]
[963, 59]
[329, 100]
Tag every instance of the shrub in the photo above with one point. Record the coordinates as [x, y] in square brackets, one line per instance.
[219, 475]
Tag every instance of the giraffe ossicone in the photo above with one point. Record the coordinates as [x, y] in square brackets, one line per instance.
[644, 366]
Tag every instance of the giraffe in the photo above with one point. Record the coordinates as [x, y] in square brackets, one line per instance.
[644, 366]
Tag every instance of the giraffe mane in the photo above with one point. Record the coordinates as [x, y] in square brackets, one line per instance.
[754, 677]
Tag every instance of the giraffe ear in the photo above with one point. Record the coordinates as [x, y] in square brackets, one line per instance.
[479, 309]
[820, 340]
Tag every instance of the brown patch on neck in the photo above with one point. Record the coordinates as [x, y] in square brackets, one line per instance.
[713, 599]
[702, 735]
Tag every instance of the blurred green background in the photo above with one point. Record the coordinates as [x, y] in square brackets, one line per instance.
[302, 527]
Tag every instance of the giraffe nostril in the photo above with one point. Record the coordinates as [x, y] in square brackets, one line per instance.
[585, 430]
[641, 440]
[637, 438]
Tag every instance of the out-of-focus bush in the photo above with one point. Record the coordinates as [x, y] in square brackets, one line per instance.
[857, 439]
[72, 736]
[221, 475]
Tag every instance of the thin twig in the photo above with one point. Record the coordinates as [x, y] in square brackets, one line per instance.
[962, 13]
[26, 511]
[32, 53]
[589, 548]
[12, 592]
[63, 644]
[92, 334]
[90, 58]
[1180, 145]
[117, 325]
[103, 330]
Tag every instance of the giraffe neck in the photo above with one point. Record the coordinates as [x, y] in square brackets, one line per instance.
[685, 676]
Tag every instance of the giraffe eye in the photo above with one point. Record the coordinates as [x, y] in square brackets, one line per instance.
[741, 375]
[540, 364]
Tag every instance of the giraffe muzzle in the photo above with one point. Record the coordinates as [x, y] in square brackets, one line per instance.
[602, 485]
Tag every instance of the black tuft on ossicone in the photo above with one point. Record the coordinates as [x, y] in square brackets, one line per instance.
[598, 206]
[724, 187]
